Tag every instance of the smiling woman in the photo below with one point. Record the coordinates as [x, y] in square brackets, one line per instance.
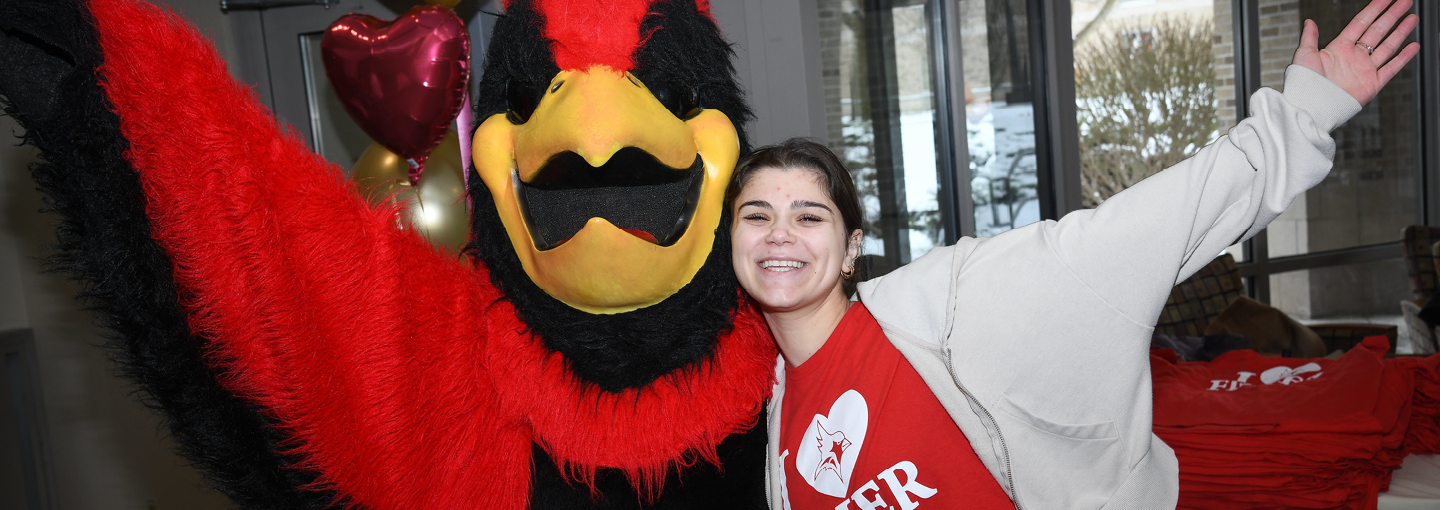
[794, 243]
[797, 231]
[1009, 372]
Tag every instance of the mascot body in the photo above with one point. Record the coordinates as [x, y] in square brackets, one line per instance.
[307, 353]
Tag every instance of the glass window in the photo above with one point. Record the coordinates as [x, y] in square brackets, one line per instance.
[1154, 83]
[880, 116]
[1371, 193]
[999, 113]
[1368, 292]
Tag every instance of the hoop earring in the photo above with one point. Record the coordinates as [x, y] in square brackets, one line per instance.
[848, 273]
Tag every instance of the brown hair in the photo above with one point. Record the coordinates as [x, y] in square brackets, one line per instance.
[806, 154]
[803, 153]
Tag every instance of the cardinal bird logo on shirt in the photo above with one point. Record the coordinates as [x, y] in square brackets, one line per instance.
[826, 454]
[832, 448]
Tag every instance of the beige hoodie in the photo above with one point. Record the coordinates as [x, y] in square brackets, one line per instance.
[1036, 341]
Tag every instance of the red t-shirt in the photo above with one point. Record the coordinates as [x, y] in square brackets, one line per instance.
[1245, 388]
[860, 430]
[1259, 432]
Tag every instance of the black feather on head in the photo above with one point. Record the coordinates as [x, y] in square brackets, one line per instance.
[684, 51]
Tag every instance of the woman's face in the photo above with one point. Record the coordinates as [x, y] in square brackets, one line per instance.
[789, 243]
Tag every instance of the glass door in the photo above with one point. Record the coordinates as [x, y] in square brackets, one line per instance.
[880, 111]
[1000, 102]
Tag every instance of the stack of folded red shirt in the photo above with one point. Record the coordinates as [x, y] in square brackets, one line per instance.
[1423, 436]
[1258, 432]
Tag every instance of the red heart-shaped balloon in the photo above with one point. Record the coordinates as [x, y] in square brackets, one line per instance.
[403, 81]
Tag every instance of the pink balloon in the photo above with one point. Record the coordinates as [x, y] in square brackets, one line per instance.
[403, 81]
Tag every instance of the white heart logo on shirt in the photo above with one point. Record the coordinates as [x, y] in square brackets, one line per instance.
[1286, 375]
[826, 454]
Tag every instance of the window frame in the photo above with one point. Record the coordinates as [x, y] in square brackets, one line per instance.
[1057, 144]
[1057, 133]
[1258, 266]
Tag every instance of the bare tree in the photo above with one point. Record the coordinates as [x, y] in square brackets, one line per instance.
[1146, 102]
[1094, 23]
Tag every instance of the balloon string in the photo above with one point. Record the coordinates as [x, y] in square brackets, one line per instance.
[417, 165]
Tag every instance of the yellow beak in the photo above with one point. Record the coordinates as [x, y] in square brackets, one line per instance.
[595, 113]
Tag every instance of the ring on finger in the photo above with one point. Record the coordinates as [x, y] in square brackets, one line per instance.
[1367, 47]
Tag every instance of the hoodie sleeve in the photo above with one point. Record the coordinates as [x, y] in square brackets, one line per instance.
[1134, 247]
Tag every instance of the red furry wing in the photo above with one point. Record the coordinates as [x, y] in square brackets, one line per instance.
[363, 341]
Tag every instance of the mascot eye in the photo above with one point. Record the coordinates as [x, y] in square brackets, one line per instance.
[521, 100]
[684, 103]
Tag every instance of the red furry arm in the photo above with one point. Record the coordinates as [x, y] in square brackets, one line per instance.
[361, 339]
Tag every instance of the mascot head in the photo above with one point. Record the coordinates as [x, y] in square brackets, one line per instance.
[608, 133]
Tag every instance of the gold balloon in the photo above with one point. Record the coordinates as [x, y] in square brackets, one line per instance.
[444, 3]
[436, 206]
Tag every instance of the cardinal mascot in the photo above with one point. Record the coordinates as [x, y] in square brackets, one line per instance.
[590, 349]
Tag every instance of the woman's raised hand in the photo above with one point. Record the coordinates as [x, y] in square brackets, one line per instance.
[1359, 60]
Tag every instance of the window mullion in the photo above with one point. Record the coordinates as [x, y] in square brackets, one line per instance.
[1058, 152]
[951, 143]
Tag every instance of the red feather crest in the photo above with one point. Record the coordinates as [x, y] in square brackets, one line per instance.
[584, 33]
